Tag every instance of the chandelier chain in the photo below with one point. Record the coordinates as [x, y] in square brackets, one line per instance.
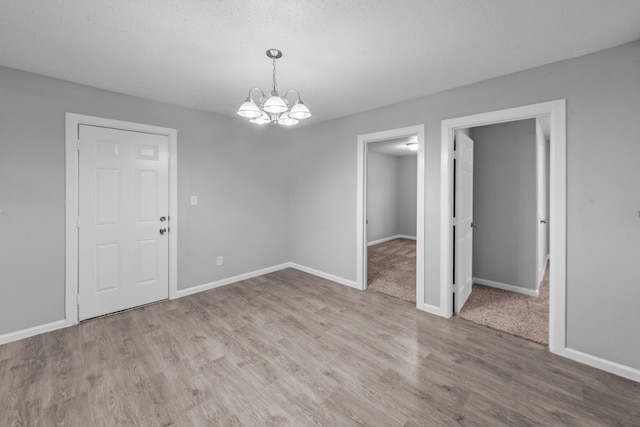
[275, 83]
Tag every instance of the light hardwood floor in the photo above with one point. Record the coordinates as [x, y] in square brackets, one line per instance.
[292, 349]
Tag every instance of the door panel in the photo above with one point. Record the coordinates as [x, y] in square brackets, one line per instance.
[107, 191]
[542, 193]
[123, 191]
[464, 219]
[107, 256]
[147, 200]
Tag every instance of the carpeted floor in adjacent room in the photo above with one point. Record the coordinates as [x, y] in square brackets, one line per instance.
[391, 269]
[515, 314]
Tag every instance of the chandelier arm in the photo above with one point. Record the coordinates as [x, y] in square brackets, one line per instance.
[295, 91]
[262, 95]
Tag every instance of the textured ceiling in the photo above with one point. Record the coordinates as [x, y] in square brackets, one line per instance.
[343, 56]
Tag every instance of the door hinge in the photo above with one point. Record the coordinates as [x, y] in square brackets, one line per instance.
[454, 288]
[77, 145]
[77, 222]
[77, 299]
[454, 221]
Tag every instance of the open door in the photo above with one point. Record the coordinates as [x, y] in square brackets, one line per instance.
[542, 192]
[463, 213]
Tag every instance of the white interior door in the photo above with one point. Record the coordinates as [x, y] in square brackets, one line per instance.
[123, 206]
[542, 193]
[464, 219]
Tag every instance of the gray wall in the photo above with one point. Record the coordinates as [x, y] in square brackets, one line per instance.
[407, 194]
[239, 172]
[382, 196]
[603, 230]
[504, 203]
[391, 195]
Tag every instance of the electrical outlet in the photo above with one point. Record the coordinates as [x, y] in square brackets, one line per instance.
[194, 200]
[219, 260]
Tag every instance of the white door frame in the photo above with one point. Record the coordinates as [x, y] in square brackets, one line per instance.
[73, 122]
[361, 207]
[557, 199]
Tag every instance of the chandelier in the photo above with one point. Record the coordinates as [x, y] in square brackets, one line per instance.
[276, 108]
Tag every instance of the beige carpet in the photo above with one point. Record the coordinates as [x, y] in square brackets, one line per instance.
[516, 314]
[391, 269]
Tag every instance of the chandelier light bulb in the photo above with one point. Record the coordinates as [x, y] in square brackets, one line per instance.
[285, 119]
[275, 105]
[299, 111]
[249, 110]
[262, 119]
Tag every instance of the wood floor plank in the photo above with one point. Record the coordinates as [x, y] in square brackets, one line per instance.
[420, 399]
[357, 408]
[242, 393]
[291, 349]
[210, 414]
[74, 411]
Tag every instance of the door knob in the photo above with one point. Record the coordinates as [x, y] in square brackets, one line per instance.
[474, 225]
[162, 219]
[543, 221]
[163, 230]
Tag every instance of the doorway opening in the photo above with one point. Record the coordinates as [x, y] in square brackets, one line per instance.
[382, 235]
[456, 269]
[509, 229]
[391, 194]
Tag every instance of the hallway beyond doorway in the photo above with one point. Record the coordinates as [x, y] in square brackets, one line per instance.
[392, 269]
[516, 314]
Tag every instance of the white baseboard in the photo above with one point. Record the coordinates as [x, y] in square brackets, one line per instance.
[386, 239]
[603, 364]
[505, 287]
[200, 288]
[541, 273]
[36, 330]
[431, 309]
[327, 276]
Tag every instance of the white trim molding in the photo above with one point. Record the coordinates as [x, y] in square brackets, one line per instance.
[600, 363]
[324, 275]
[388, 239]
[404, 236]
[361, 206]
[73, 122]
[558, 206]
[35, 330]
[505, 287]
[431, 309]
[229, 280]
[544, 269]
